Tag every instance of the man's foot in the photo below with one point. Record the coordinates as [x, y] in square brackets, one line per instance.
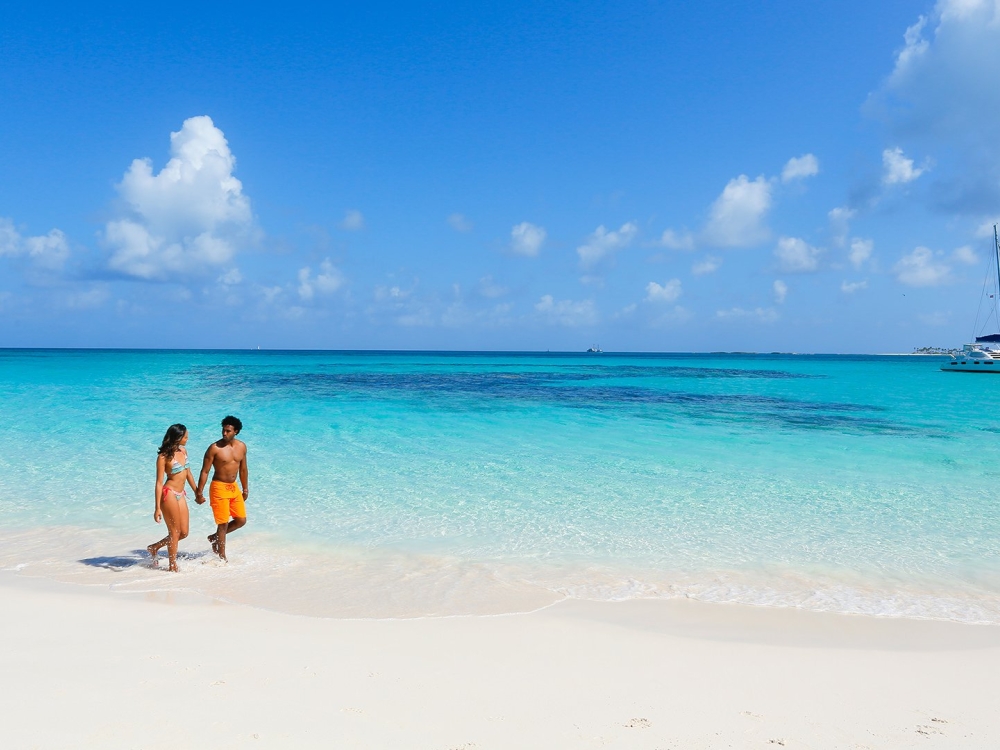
[214, 540]
[152, 550]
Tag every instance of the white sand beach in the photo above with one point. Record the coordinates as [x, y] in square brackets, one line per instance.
[87, 668]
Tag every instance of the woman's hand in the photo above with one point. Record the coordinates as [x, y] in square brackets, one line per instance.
[157, 515]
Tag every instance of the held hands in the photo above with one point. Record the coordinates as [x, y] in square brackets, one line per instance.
[199, 498]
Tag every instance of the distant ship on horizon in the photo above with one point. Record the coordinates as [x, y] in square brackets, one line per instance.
[596, 349]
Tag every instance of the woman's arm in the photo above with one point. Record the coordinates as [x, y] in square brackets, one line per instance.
[160, 471]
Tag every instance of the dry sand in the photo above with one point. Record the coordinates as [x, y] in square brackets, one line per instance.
[83, 667]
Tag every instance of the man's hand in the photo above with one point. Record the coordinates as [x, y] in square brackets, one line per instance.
[246, 494]
[199, 498]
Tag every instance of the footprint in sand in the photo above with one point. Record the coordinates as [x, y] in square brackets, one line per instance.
[639, 724]
[776, 742]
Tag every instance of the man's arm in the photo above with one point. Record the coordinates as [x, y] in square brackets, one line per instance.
[205, 466]
[245, 474]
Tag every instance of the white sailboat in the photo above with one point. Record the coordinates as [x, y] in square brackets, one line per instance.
[983, 355]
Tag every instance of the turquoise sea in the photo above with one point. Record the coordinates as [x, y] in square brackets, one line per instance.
[396, 484]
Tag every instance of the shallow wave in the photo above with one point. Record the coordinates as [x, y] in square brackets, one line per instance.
[344, 582]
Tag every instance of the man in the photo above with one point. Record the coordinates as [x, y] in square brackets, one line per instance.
[228, 457]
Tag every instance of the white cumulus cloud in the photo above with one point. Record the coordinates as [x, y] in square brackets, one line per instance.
[49, 251]
[736, 218]
[795, 255]
[942, 96]
[327, 281]
[190, 215]
[668, 292]
[603, 243]
[799, 167]
[527, 239]
[897, 169]
[922, 268]
[780, 289]
[566, 312]
[860, 252]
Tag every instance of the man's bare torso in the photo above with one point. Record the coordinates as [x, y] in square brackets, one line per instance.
[226, 460]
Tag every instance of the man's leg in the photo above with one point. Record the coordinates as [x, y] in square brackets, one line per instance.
[218, 540]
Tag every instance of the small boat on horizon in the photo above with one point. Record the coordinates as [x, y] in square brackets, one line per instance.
[596, 349]
[984, 354]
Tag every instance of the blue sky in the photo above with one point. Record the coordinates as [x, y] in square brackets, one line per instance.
[646, 176]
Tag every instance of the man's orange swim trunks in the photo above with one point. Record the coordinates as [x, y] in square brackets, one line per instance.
[226, 500]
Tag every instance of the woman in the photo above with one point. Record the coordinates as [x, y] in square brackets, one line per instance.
[172, 472]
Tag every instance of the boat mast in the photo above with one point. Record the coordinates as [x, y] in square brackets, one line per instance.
[996, 297]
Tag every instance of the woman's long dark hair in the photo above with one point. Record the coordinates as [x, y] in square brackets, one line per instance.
[171, 441]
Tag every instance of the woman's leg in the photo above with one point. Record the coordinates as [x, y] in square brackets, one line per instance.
[155, 547]
[172, 517]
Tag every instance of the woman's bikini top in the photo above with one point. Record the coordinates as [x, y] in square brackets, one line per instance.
[177, 467]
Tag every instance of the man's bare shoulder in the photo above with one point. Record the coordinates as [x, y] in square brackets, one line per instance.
[240, 446]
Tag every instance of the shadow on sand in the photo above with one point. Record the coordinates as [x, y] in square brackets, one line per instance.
[136, 557]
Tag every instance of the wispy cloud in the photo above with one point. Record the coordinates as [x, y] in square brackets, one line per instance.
[840, 224]
[489, 289]
[459, 223]
[566, 312]
[780, 289]
[353, 221]
[850, 287]
[678, 240]
[759, 314]
[527, 239]
[965, 255]
[708, 264]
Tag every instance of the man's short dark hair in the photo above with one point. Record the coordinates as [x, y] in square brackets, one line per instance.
[231, 420]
